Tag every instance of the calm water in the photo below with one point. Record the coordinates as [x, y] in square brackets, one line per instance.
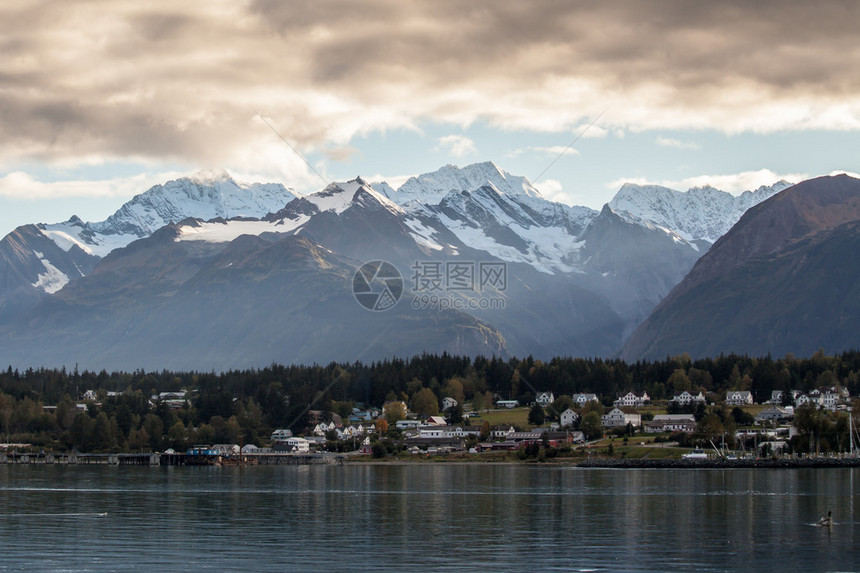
[432, 517]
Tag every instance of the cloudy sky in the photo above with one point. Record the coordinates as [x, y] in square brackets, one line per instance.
[99, 100]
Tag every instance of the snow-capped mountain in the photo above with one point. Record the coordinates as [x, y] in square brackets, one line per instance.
[205, 196]
[701, 213]
[578, 280]
[431, 188]
[36, 260]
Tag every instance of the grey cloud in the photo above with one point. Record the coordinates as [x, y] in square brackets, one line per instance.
[184, 80]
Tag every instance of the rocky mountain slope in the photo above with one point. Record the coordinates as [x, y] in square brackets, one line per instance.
[783, 279]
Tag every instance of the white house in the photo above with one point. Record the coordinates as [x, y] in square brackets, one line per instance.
[617, 417]
[321, 428]
[738, 398]
[774, 413]
[544, 399]
[632, 400]
[448, 403]
[298, 445]
[583, 399]
[501, 432]
[830, 398]
[352, 432]
[432, 432]
[685, 399]
[407, 424]
[671, 423]
[568, 418]
[281, 435]
[435, 421]
[507, 404]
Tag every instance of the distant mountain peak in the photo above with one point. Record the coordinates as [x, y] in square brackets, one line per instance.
[701, 213]
[431, 188]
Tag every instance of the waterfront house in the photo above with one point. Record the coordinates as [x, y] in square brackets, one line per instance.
[293, 445]
[226, 449]
[632, 400]
[738, 398]
[544, 399]
[435, 421]
[497, 446]
[407, 424]
[568, 418]
[434, 444]
[281, 435]
[618, 418]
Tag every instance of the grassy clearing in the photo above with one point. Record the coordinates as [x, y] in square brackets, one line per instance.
[652, 453]
[514, 417]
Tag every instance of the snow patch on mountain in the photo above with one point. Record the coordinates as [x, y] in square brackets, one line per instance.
[53, 279]
[74, 232]
[226, 231]
[422, 234]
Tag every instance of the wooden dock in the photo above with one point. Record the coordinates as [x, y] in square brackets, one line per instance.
[169, 459]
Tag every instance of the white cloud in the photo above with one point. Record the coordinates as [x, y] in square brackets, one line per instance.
[732, 183]
[849, 173]
[20, 185]
[395, 181]
[551, 152]
[456, 145]
[676, 143]
[552, 189]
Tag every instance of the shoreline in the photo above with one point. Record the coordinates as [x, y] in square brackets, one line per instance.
[156, 460]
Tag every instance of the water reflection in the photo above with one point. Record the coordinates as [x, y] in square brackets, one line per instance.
[442, 517]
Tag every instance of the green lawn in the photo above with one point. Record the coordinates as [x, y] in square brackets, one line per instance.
[637, 452]
[514, 416]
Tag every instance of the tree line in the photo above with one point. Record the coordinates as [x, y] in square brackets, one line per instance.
[246, 405]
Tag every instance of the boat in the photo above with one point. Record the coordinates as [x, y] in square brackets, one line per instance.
[696, 454]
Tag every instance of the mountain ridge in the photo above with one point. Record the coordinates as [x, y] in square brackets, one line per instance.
[759, 289]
